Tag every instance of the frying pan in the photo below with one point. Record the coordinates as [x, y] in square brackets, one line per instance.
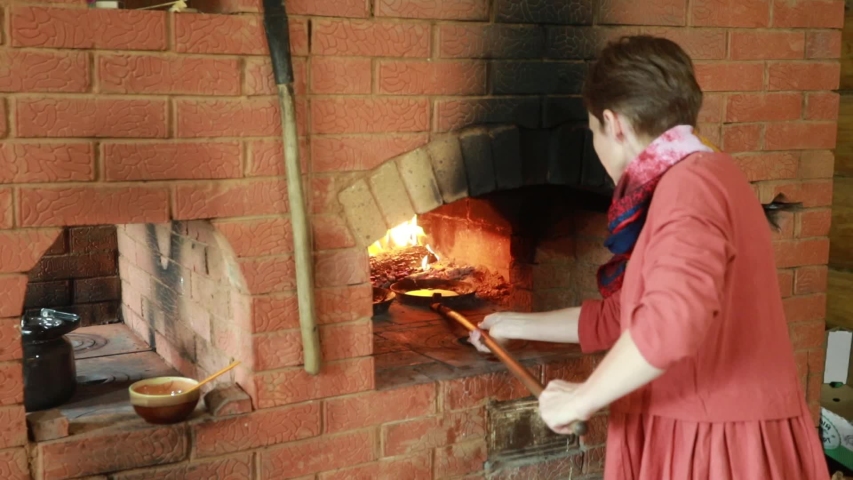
[522, 374]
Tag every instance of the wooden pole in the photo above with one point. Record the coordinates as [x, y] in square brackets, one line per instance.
[522, 374]
[278, 38]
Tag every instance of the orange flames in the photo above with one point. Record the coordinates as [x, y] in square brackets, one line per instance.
[404, 235]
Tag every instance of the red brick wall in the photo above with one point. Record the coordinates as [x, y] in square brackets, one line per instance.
[118, 117]
[78, 274]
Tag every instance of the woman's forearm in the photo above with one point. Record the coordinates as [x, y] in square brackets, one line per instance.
[623, 370]
[558, 326]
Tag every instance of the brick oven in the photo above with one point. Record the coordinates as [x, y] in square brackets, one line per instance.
[464, 114]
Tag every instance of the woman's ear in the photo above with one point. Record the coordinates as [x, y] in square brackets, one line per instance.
[613, 125]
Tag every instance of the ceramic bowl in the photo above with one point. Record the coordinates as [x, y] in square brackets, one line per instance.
[164, 400]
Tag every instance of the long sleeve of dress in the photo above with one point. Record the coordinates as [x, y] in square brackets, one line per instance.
[683, 273]
[598, 324]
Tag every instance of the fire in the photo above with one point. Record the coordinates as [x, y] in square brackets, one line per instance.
[404, 235]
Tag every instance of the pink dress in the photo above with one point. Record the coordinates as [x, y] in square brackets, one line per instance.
[701, 299]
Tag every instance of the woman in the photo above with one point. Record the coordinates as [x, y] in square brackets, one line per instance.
[700, 376]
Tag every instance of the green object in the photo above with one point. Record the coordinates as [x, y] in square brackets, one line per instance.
[837, 436]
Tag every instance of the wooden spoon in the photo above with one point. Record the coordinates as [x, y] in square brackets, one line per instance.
[208, 379]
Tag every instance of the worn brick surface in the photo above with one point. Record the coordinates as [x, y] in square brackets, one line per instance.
[329, 8]
[767, 45]
[14, 464]
[359, 411]
[742, 137]
[799, 136]
[416, 171]
[294, 385]
[629, 12]
[803, 76]
[768, 166]
[7, 211]
[211, 200]
[47, 425]
[733, 77]
[730, 13]
[433, 9]
[90, 117]
[808, 13]
[259, 429]
[460, 459]
[360, 115]
[47, 162]
[337, 268]
[258, 237]
[34, 71]
[822, 106]
[531, 77]
[390, 193]
[10, 338]
[258, 77]
[764, 107]
[414, 467]
[449, 168]
[473, 391]
[88, 28]
[823, 44]
[269, 274]
[149, 74]
[21, 249]
[312, 456]
[114, 449]
[363, 214]
[432, 77]
[92, 205]
[456, 114]
[363, 38]
[223, 34]
[575, 12]
[11, 296]
[171, 161]
[360, 152]
[13, 427]
[12, 377]
[433, 432]
[239, 466]
[284, 349]
[253, 117]
[490, 41]
[334, 75]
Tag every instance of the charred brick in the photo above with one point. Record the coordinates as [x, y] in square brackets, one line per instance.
[75, 266]
[531, 77]
[571, 43]
[477, 155]
[535, 150]
[593, 174]
[48, 294]
[513, 41]
[465, 113]
[571, 12]
[99, 289]
[506, 154]
[93, 239]
[566, 155]
[449, 168]
[559, 110]
[59, 246]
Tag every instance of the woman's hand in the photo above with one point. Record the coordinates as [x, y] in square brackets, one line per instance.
[502, 327]
[560, 405]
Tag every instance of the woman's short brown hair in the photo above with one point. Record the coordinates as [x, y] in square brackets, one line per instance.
[649, 80]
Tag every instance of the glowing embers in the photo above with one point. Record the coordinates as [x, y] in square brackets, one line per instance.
[402, 252]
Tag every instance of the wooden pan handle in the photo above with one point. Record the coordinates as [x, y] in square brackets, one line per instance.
[522, 374]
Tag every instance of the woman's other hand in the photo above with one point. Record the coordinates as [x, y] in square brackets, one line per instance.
[560, 406]
[502, 327]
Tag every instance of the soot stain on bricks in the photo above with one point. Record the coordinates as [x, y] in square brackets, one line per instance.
[166, 261]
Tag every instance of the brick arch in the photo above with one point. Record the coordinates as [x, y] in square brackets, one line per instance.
[470, 162]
